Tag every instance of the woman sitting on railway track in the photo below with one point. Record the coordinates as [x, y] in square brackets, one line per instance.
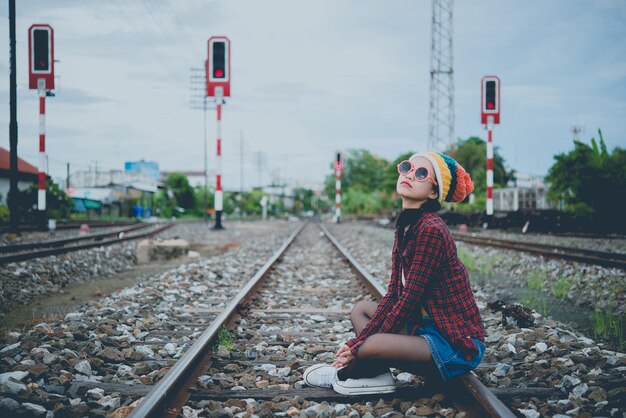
[428, 322]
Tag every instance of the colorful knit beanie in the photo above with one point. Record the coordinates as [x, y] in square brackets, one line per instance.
[454, 182]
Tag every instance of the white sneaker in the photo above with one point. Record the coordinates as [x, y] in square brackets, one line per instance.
[320, 376]
[366, 386]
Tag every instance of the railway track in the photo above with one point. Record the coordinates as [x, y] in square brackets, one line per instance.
[29, 250]
[603, 258]
[288, 316]
[73, 224]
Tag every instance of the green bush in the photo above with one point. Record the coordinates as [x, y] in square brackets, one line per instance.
[4, 213]
[58, 204]
[587, 179]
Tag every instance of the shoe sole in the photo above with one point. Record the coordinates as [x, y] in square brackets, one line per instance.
[375, 390]
[307, 372]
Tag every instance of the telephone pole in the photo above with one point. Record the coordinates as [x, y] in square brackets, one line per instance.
[197, 82]
[12, 197]
[241, 202]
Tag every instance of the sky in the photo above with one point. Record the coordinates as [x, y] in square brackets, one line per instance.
[309, 78]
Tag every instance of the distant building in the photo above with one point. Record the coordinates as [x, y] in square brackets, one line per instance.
[26, 174]
[281, 193]
[116, 192]
[527, 192]
[83, 179]
[149, 168]
[98, 200]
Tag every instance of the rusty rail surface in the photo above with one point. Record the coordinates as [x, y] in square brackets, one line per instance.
[169, 394]
[60, 247]
[64, 225]
[603, 258]
[60, 242]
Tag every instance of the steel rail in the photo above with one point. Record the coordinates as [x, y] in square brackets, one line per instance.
[602, 258]
[467, 386]
[69, 225]
[12, 258]
[12, 248]
[171, 387]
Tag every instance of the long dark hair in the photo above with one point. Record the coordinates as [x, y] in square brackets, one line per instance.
[431, 205]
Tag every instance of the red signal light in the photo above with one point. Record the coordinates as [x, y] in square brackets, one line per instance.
[219, 73]
[490, 105]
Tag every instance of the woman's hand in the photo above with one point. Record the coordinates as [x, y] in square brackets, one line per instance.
[343, 356]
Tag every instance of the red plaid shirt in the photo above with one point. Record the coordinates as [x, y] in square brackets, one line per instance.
[436, 280]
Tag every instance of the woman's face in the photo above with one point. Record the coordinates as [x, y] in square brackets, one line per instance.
[411, 189]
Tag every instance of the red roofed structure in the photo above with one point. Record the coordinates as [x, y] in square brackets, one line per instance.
[26, 174]
[23, 167]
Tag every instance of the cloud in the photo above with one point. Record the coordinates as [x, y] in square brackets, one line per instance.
[313, 77]
[537, 97]
[77, 97]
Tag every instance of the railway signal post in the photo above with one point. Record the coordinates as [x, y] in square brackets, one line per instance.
[338, 171]
[490, 115]
[41, 78]
[218, 87]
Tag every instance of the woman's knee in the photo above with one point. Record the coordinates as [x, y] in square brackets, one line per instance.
[358, 310]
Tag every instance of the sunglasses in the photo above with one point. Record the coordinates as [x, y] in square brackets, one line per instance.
[421, 173]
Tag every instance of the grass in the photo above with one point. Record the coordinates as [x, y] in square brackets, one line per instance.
[535, 279]
[539, 304]
[486, 263]
[561, 287]
[225, 338]
[609, 327]
[482, 264]
[467, 259]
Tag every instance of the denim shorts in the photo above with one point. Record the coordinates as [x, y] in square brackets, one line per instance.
[448, 359]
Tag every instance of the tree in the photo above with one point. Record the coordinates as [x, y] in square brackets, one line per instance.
[183, 192]
[589, 180]
[363, 171]
[164, 205]
[58, 203]
[199, 199]
[472, 155]
[305, 197]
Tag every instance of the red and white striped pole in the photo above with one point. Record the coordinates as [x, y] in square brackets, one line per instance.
[41, 193]
[337, 194]
[490, 166]
[218, 170]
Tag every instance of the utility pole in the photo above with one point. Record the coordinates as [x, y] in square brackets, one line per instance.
[67, 178]
[206, 165]
[260, 159]
[12, 198]
[441, 114]
[241, 202]
[197, 82]
[576, 131]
